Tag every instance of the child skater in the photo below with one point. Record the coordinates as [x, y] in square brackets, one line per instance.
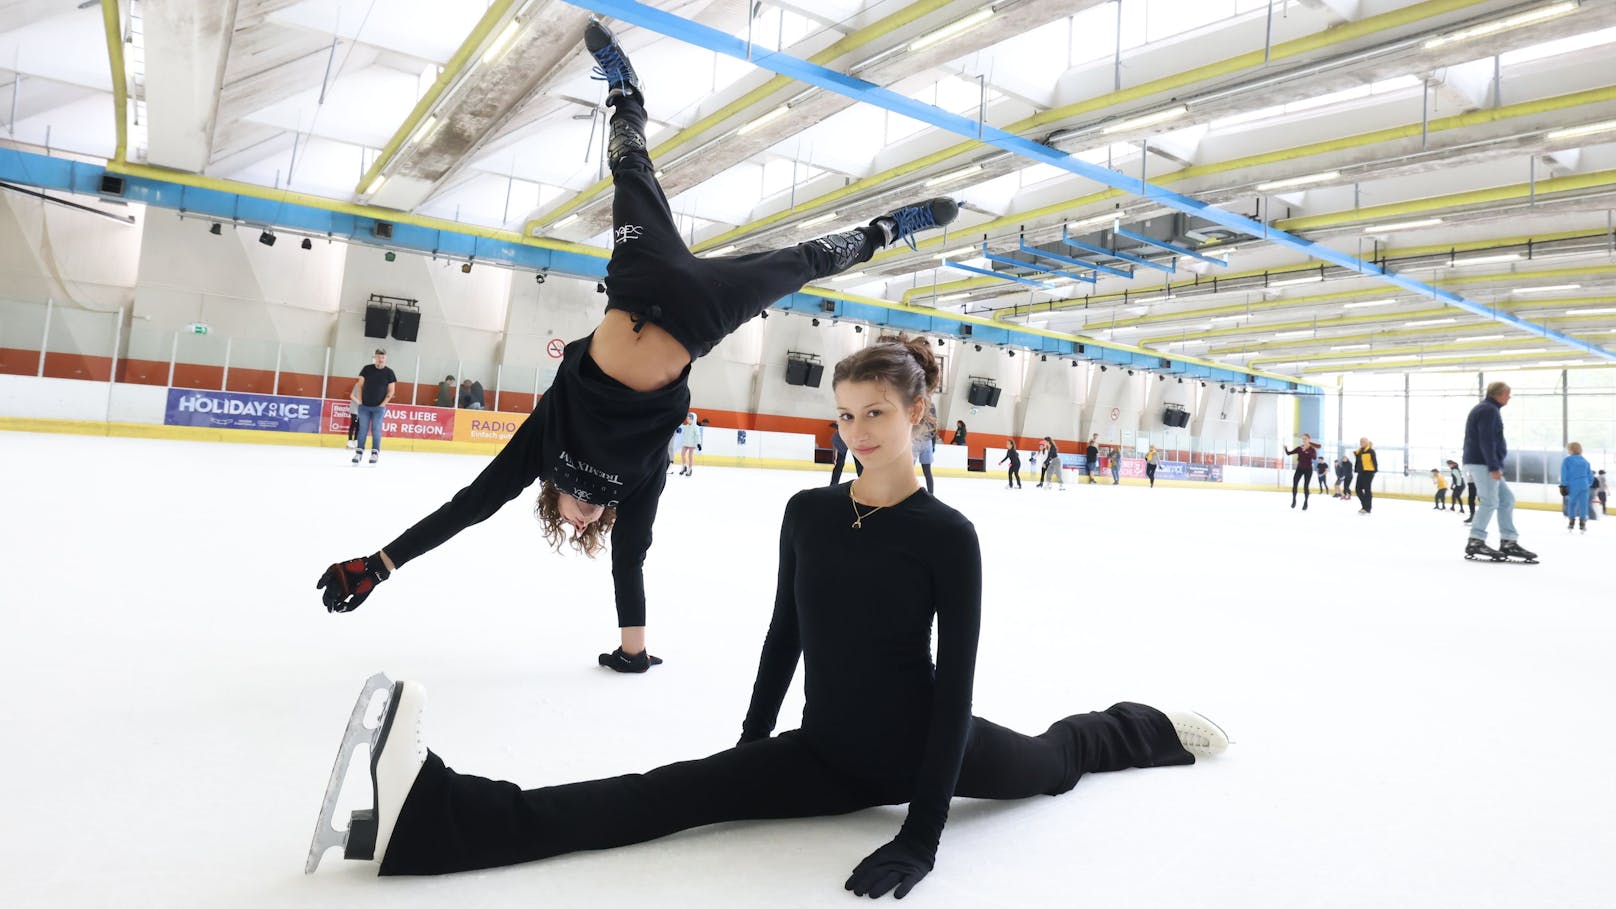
[882, 724]
[1456, 476]
[689, 441]
[1441, 482]
[1013, 478]
[1577, 479]
[596, 439]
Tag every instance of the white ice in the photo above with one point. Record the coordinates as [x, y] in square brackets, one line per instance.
[1412, 730]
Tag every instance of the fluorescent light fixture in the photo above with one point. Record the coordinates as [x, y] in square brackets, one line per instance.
[1227, 318]
[764, 120]
[951, 29]
[1144, 120]
[376, 185]
[568, 221]
[1418, 322]
[947, 298]
[503, 42]
[1364, 304]
[1351, 347]
[969, 252]
[427, 128]
[1325, 177]
[1555, 363]
[1575, 131]
[1531, 350]
[949, 178]
[1600, 311]
[1156, 299]
[1107, 218]
[1486, 338]
[1294, 334]
[821, 219]
[1401, 225]
[721, 251]
[1546, 289]
[1505, 24]
[1488, 260]
[1310, 279]
[847, 276]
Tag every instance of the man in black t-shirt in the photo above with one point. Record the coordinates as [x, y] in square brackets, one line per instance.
[370, 397]
[1091, 457]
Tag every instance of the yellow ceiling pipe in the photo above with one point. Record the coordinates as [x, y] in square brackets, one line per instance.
[120, 78]
[848, 43]
[456, 67]
[1352, 31]
[1294, 326]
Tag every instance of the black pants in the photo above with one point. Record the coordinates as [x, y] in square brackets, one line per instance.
[836, 469]
[931, 485]
[653, 276]
[454, 822]
[1303, 476]
[1458, 503]
[1472, 498]
[1441, 498]
[1013, 478]
[1324, 484]
[1366, 495]
[1150, 474]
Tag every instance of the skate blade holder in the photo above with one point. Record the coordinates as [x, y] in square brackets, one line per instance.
[359, 840]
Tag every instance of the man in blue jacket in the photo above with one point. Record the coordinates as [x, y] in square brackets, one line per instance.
[1484, 451]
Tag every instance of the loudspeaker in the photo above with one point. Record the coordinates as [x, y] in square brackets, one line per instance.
[1173, 416]
[993, 396]
[382, 230]
[815, 375]
[977, 395]
[796, 372]
[111, 185]
[406, 323]
[376, 320]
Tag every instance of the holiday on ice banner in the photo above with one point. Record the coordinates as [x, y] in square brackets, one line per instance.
[238, 410]
[399, 421]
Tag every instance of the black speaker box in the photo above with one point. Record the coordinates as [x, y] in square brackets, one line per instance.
[406, 324]
[976, 395]
[382, 230]
[993, 395]
[796, 372]
[376, 319]
[111, 185]
[815, 375]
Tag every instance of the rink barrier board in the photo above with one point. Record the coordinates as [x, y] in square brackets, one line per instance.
[325, 440]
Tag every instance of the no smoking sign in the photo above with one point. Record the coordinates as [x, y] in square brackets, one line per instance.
[555, 348]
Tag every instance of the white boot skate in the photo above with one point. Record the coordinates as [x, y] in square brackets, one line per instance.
[1199, 735]
[396, 756]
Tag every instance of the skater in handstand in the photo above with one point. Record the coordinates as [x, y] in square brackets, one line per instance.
[865, 567]
[598, 437]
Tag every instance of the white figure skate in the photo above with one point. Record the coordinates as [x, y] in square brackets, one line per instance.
[396, 756]
[1199, 735]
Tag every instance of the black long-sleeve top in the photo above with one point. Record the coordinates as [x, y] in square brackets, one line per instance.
[857, 605]
[595, 439]
[1013, 456]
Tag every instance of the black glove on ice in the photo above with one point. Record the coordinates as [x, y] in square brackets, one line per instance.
[894, 865]
[346, 584]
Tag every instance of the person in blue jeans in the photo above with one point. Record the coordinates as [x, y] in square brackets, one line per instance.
[1577, 479]
[1484, 452]
[370, 396]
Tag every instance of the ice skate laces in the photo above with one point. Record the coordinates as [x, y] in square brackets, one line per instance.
[912, 220]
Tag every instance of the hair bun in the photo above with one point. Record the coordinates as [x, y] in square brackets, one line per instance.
[920, 349]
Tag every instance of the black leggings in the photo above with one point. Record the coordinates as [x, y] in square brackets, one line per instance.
[1366, 495]
[1304, 476]
[653, 276]
[1150, 474]
[1014, 476]
[453, 822]
[841, 461]
[930, 483]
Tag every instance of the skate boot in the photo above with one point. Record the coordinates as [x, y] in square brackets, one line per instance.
[1199, 735]
[1512, 549]
[1582, 525]
[1571, 525]
[358, 455]
[905, 222]
[612, 66]
[618, 661]
[1478, 549]
[374, 455]
[396, 756]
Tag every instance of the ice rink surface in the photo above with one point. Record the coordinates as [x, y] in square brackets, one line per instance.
[1412, 730]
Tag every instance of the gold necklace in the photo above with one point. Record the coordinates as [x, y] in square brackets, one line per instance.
[858, 519]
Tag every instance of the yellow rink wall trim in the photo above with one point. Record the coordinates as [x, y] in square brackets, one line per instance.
[332, 440]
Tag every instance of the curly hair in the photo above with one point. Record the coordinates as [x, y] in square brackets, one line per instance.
[589, 541]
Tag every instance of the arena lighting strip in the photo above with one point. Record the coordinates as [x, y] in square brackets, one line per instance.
[703, 36]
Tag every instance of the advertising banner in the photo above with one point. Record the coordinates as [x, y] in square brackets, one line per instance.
[400, 421]
[238, 410]
[487, 426]
[1133, 468]
[1178, 470]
